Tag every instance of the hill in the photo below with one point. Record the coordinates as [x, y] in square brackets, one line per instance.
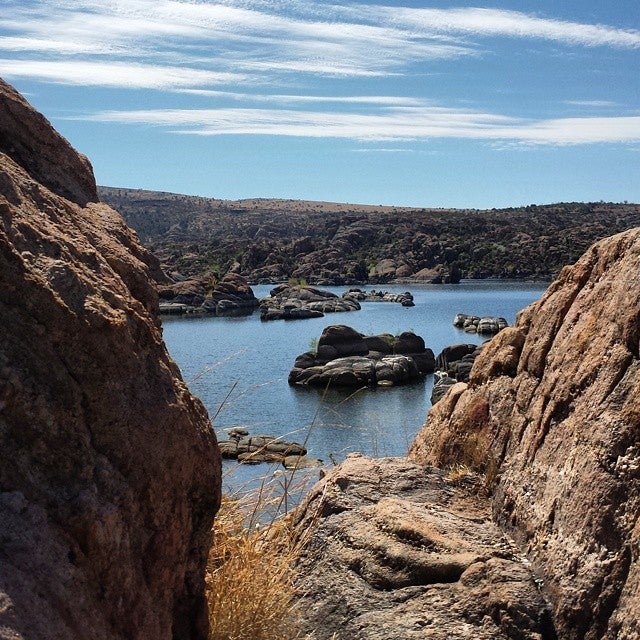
[332, 243]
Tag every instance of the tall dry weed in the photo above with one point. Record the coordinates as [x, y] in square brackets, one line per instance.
[250, 577]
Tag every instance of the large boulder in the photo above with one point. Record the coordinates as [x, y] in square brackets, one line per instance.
[551, 414]
[395, 551]
[109, 470]
[230, 296]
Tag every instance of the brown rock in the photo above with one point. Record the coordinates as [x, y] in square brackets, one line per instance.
[397, 552]
[552, 406]
[29, 140]
[109, 473]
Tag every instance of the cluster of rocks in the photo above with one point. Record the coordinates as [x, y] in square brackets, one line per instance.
[486, 325]
[405, 299]
[347, 358]
[232, 295]
[297, 302]
[249, 449]
[453, 364]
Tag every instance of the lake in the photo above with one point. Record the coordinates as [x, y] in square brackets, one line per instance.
[238, 367]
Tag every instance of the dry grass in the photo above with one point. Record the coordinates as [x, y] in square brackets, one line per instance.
[251, 574]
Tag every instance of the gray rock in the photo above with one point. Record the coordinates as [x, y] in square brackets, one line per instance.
[301, 462]
[398, 551]
[347, 358]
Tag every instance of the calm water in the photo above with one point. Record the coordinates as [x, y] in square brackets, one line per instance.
[239, 367]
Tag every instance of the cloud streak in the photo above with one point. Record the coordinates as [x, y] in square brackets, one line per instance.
[271, 40]
[115, 74]
[392, 124]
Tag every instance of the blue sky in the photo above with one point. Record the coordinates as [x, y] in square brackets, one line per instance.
[414, 103]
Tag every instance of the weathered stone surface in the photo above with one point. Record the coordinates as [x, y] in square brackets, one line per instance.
[398, 551]
[109, 473]
[552, 406]
[28, 139]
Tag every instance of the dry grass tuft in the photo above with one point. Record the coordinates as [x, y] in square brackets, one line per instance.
[250, 573]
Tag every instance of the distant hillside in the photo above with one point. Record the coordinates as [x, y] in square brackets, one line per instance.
[330, 243]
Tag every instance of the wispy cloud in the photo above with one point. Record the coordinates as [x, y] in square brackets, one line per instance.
[398, 123]
[270, 39]
[596, 104]
[115, 74]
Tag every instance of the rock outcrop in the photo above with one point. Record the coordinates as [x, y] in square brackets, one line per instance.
[295, 302]
[109, 470]
[405, 299]
[231, 296]
[398, 552]
[453, 364]
[485, 325]
[551, 411]
[347, 358]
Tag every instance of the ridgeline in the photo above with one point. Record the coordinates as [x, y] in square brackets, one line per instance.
[331, 243]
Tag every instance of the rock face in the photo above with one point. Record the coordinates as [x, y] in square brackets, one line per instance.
[399, 551]
[347, 358]
[551, 409]
[109, 470]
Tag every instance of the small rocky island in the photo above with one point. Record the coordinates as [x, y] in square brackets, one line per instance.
[347, 358]
[298, 302]
[482, 325]
[230, 296]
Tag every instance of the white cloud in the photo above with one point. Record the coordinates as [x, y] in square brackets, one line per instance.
[596, 104]
[274, 39]
[114, 74]
[288, 98]
[399, 123]
[498, 22]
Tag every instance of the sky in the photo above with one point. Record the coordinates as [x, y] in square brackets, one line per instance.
[414, 103]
